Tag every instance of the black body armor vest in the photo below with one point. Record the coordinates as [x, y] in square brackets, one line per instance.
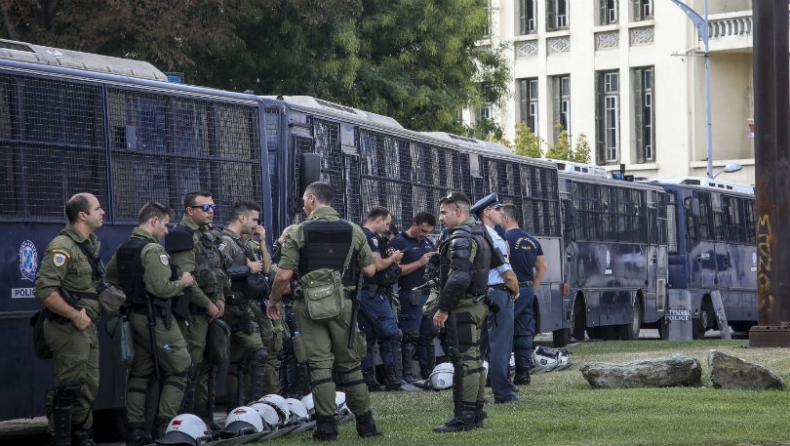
[326, 245]
[479, 268]
[130, 270]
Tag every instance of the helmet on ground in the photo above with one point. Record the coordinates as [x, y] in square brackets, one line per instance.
[279, 404]
[185, 429]
[307, 400]
[242, 420]
[267, 413]
[549, 358]
[340, 401]
[298, 411]
[442, 376]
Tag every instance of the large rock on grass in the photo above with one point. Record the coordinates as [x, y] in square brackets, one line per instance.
[671, 371]
[730, 372]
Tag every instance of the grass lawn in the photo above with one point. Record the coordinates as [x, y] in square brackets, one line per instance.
[560, 408]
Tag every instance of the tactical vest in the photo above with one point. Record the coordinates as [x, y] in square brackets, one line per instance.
[326, 245]
[482, 262]
[210, 263]
[130, 270]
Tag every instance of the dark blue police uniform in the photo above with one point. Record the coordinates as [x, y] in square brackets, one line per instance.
[524, 249]
[417, 330]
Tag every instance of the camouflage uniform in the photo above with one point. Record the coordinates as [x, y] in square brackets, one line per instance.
[171, 347]
[75, 362]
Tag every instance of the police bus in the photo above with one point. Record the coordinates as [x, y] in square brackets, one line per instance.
[712, 247]
[74, 122]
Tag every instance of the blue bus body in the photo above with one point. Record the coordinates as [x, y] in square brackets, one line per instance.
[615, 252]
[712, 247]
[371, 160]
[125, 139]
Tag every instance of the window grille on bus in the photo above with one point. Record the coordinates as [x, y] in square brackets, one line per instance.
[52, 140]
[166, 146]
[326, 136]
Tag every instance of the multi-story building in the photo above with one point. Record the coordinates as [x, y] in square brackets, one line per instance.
[630, 76]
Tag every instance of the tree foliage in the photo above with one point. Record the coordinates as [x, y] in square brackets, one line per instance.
[562, 147]
[526, 142]
[581, 154]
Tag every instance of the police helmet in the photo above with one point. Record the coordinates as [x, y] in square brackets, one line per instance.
[242, 420]
[267, 413]
[442, 376]
[307, 400]
[298, 410]
[340, 401]
[279, 404]
[187, 430]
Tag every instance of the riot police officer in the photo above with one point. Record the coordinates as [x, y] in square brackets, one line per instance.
[66, 287]
[161, 360]
[197, 248]
[247, 353]
[326, 243]
[378, 319]
[465, 259]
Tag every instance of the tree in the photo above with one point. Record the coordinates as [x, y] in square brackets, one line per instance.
[562, 148]
[527, 143]
[581, 154]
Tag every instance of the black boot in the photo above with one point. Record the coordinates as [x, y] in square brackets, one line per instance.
[464, 420]
[522, 376]
[371, 381]
[82, 437]
[325, 428]
[408, 354]
[480, 414]
[366, 426]
[160, 426]
[137, 435]
[391, 381]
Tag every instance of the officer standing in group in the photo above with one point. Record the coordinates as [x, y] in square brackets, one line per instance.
[247, 352]
[417, 249]
[196, 248]
[378, 319]
[327, 353]
[141, 267]
[497, 339]
[465, 259]
[526, 258]
[66, 287]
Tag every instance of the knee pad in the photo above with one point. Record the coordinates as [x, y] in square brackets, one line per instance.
[259, 356]
[464, 330]
[411, 337]
[66, 393]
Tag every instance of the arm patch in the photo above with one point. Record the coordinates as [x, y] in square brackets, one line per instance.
[179, 239]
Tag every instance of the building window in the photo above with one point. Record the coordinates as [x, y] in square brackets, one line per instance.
[528, 103]
[607, 117]
[527, 16]
[486, 31]
[642, 9]
[561, 104]
[557, 15]
[644, 114]
[607, 14]
[486, 111]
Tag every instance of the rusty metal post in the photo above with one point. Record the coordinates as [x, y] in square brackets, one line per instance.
[772, 172]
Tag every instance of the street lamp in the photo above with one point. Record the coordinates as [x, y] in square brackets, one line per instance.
[702, 28]
[729, 168]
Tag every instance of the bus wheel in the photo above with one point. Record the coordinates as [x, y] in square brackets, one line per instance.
[609, 332]
[630, 331]
[562, 337]
[700, 325]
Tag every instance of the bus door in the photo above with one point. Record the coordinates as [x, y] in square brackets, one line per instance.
[702, 244]
[720, 246]
[741, 300]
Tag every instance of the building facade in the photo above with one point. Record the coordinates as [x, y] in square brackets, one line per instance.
[630, 76]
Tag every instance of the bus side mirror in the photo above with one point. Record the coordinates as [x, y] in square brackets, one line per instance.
[310, 170]
[692, 205]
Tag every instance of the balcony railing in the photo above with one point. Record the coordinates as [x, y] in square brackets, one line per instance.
[730, 27]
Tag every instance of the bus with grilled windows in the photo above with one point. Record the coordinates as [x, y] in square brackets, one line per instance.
[712, 247]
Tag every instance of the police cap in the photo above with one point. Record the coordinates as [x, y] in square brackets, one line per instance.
[489, 201]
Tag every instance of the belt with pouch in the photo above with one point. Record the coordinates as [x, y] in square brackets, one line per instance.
[499, 286]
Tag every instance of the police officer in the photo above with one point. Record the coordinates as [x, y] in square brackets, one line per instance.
[66, 287]
[378, 319]
[465, 259]
[141, 266]
[526, 258]
[197, 248]
[247, 353]
[417, 250]
[324, 241]
[497, 339]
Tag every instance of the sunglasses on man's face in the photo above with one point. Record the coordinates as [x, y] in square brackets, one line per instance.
[205, 207]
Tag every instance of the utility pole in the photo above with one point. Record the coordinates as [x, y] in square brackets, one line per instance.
[772, 172]
[701, 24]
